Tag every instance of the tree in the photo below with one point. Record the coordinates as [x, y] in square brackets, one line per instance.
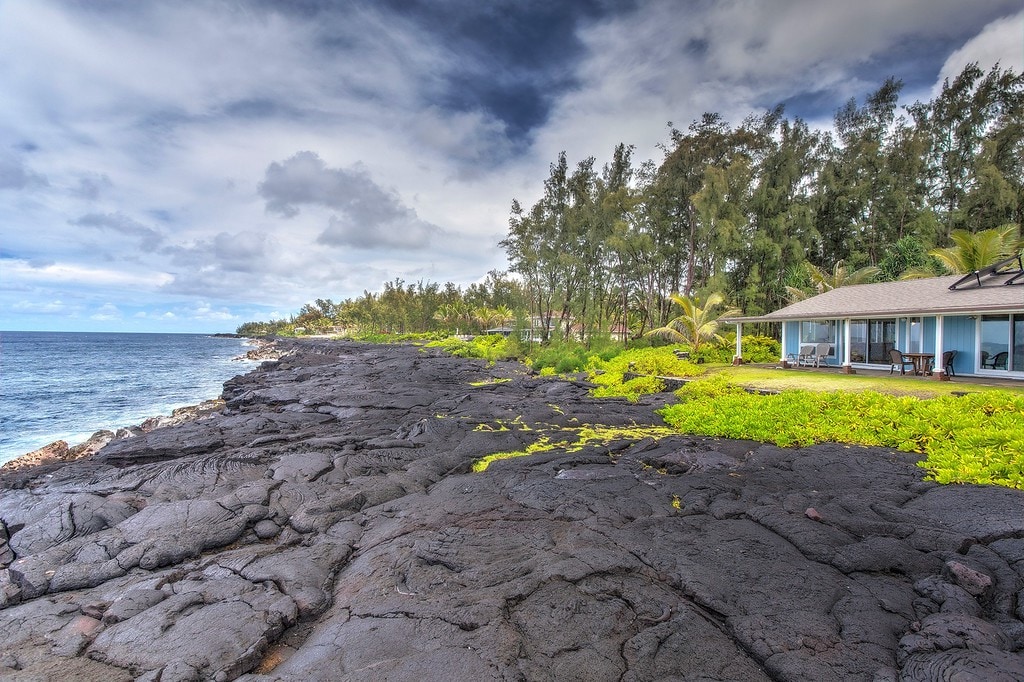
[698, 322]
[780, 229]
[906, 254]
[840, 276]
[822, 280]
[973, 109]
[978, 250]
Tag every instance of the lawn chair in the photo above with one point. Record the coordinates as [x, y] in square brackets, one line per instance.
[999, 361]
[897, 359]
[806, 357]
[821, 352]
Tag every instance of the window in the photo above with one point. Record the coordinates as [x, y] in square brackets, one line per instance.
[916, 342]
[817, 331]
[858, 340]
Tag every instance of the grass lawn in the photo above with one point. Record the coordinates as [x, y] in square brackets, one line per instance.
[754, 376]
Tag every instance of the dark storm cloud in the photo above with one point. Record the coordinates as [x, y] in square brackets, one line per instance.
[507, 58]
[514, 58]
[369, 216]
[122, 224]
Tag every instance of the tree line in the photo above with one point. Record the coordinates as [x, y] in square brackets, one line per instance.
[756, 212]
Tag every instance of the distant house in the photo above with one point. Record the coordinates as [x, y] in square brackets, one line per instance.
[617, 331]
[979, 315]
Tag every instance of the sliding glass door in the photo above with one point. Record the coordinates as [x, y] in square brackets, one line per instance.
[1017, 342]
[1002, 343]
[871, 340]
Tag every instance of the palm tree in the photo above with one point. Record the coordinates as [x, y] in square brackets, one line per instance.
[484, 316]
[450, 314]
[504, 315]
[823, 280]
[974, 251]
[698, 324]
[841, 276]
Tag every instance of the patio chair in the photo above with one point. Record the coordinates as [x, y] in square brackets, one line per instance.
[947, 363]
[897, 359]
[999, 361]
[821, 352]
[806, 354]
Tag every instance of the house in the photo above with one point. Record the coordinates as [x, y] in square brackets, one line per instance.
[979, 315]
[617, 331]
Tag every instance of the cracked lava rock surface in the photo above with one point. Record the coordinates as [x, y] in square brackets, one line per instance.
[327, 525]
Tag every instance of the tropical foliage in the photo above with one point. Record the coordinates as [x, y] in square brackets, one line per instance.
[698, 324]
[975, 251]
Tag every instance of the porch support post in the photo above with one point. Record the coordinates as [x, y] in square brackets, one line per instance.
[782, 345]
[738, 358]
[939, 372]
[847, 335]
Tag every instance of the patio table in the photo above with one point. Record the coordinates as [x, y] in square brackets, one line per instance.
[922, 361]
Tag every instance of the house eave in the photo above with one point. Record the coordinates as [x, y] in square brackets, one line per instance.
[878, 313]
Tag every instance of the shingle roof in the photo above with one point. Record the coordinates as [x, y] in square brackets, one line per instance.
[929, 296]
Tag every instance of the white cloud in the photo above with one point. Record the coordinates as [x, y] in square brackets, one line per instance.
[1001, 42]
[20, 270]
[205, 311]
[108, 312]
[41, 307]
[672, 62]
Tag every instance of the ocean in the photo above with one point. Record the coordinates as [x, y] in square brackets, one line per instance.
[68, 385]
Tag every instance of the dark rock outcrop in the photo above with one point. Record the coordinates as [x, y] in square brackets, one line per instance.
[326, 525]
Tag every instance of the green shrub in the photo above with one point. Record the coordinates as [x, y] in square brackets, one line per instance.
[631, 390]
[649, 363]
[569, 363]
[382, 337]
[761, 349]
[972, 439]
[563, 356]
[490, 347]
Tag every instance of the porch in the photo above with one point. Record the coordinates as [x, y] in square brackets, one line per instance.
[840, 373]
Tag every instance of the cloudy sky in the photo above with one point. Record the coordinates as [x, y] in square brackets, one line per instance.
[188, 165]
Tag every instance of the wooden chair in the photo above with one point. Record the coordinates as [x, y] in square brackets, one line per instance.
[897, 359]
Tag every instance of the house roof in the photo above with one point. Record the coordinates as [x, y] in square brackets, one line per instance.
[930, 296]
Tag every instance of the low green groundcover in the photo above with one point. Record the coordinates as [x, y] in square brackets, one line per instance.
[976, 438]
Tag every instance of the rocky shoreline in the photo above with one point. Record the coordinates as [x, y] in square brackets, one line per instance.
[324, 523]
[61, 451]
